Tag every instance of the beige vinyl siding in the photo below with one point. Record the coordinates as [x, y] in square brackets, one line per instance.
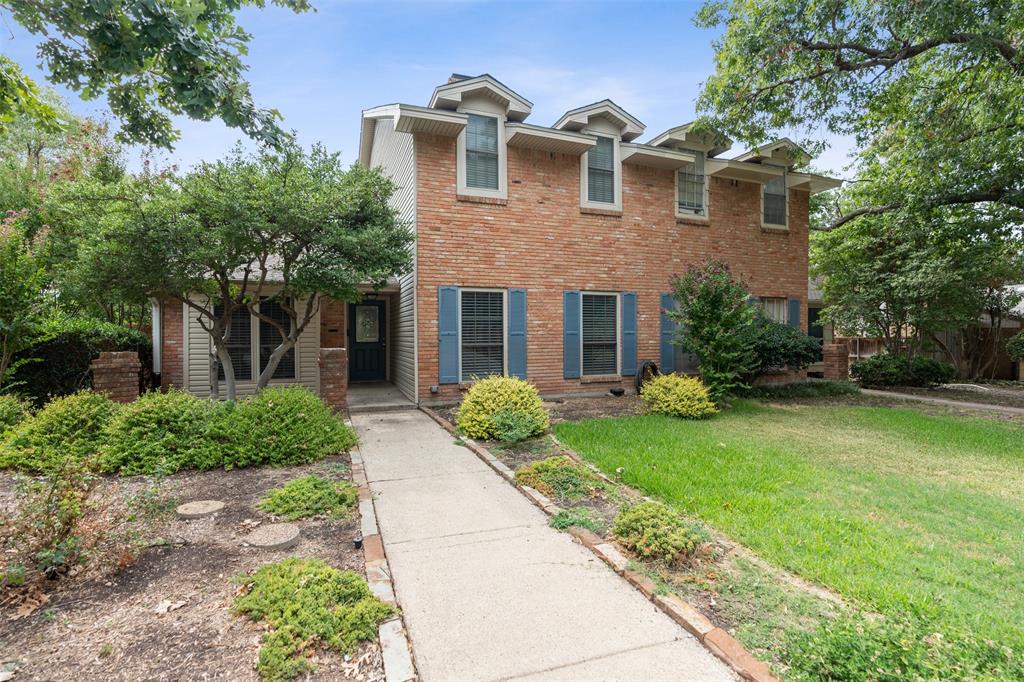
[197, 358]
[395, 153]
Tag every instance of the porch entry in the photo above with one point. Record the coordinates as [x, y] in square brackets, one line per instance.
[367, 341]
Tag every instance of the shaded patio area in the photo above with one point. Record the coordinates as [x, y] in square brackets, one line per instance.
[376, 396]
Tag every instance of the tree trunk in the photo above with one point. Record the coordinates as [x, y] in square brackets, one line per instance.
[229, 373]
[274, 360]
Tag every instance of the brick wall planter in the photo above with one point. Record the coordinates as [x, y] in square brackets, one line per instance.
[836, 357]
[334, 377]
[117, 375]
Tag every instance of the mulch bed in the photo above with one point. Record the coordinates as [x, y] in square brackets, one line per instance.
[1007, 395]
[166, 617]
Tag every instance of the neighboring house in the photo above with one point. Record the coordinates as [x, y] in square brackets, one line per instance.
[547, 252]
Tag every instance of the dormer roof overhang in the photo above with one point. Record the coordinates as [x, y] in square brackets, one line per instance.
[655, 157]
[783, 151]
[450, 95]
[529, 136]
[743, 171]
[577, 119]
[687, 136]
[811, 182]
[408, 118]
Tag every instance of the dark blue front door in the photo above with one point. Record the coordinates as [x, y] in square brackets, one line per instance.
[366, 341]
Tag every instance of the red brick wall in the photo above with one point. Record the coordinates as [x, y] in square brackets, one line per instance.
[332, 323]
[836, 357]
[117, 375]
[172, 361]
[334, 377]
[540, 240]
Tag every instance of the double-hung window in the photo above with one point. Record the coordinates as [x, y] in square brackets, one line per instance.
[690, 199]
[243, 344]
[774, 308]
[482, 333]
[600, 334]
[239, 343]
[270, 338]
[774, 199]
[601, 171]
[482, 152]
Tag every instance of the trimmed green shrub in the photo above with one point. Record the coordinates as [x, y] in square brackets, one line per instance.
[903, 647]
[804, 389]
[306, 603]
[310, 496]
[501, 398]
[160, 433]
[69, 426]
[1015, 347]
[279, 426]
[777, 345]
[561, 478]
[59, 365]
[679, 396]
[13, 410]
[896, 370]
[656, 532]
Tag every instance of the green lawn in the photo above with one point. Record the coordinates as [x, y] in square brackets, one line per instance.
[889, 507]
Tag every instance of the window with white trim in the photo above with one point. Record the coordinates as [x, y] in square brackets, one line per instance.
[600, 334]
[773, 308]
[270, 338]
[774, 200]
[692, 188]
[482, 152]
[481, 333]
[601, 171]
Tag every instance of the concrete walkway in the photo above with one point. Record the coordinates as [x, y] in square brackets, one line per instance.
[947, 402]
[488, 590]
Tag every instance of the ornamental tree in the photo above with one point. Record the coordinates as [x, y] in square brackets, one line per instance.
[287, 226]
[23, 301]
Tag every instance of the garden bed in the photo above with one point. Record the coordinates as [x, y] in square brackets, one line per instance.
[1010, 394]
[167, 615]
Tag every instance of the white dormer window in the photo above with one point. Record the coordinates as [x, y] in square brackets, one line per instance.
[482, 152]
[692, 189]
[601, 175]
[774, 202]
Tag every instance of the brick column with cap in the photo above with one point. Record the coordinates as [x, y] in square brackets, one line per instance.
[334, 377]
[837, 361]
[117, 375]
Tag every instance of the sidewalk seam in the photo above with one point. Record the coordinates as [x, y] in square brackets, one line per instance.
[717, 641]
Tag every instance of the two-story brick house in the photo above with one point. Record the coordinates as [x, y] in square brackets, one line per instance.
[547, 252]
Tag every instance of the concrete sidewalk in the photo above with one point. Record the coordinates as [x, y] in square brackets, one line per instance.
[488, 590]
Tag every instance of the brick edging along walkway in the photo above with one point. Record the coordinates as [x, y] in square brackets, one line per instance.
[716, 640]
[395, 648]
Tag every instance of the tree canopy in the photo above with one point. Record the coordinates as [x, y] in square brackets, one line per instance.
[153, 59]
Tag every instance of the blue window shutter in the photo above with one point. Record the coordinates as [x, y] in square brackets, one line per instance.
[571, 334]
[794, 312]
[448, 335]
[517, 333]
[628, 333]
[667, 351]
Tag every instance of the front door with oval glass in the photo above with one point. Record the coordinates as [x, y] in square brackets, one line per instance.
[366, 339]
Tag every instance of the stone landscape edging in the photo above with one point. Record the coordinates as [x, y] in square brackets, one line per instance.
[395, 648]
[715, 639]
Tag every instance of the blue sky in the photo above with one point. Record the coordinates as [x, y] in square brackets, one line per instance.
[320, 69]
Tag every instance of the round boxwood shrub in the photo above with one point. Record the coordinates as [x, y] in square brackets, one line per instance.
[884, 369]
[160, 432]
[656, 532]
[513, 401]
[679, 396]
[69, 426]
[279, 426]
[13, 410]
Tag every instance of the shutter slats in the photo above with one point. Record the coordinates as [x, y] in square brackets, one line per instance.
[517, 333]
[794, 312]
[571, 334]
[629, 333]
[448, 335]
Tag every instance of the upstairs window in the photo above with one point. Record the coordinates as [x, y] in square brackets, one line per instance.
[600, 337]
[239, 343]
[270, 338]
[691, 188]
[482, 152]
[775, 201]
[601, 171]
[482, 318]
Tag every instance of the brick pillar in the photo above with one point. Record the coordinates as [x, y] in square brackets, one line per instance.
[117, 375]
[334, 377]
[837, 361]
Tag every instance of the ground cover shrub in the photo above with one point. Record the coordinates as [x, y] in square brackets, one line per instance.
[897, 647]
[311, 496]
[278, 426]
[13, 410]
[160, 433]
[884, 369]
[656, 532]
[561, 478]
[679, 396]
[69, 427]
[305, 602]
[515, 404]
[803, 389]
[581, 517]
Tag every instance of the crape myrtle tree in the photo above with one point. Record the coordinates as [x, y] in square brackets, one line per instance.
[287, 226]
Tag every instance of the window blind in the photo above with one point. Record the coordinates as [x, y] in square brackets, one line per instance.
[482, 152]
[239, 343]
[482, 334]
[775, 201]
[691, 187]
[601, 171]
[600, 334]
[270, 339]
